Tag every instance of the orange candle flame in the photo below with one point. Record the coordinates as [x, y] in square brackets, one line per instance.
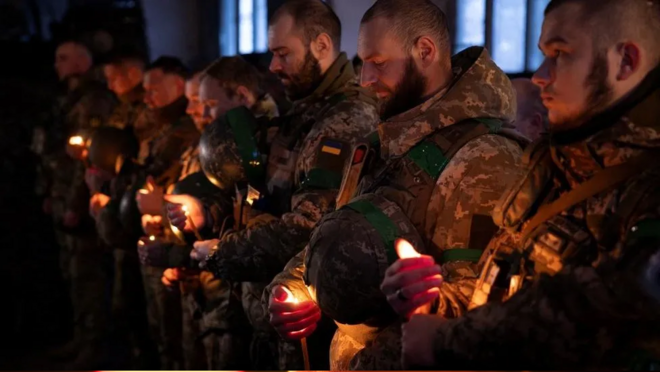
[290, 298]
[76, 141]
[405, 250]
[152, 238]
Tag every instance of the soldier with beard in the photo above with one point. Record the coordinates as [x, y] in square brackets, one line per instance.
[86, 105]
[310, 150]
[567, 278]
[445, 153]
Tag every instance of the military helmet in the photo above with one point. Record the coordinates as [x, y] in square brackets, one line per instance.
[228, 152]
[348, 253]
[129, 213]
[110, 147]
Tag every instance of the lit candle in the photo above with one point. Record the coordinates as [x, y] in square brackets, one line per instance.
[192, 224]
[405, 250]
[76, 141]
[152, 238]
[290, 298]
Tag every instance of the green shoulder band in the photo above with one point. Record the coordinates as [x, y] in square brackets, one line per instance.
[428, 157]
[381, 222]
[454, 255]
[243, 124]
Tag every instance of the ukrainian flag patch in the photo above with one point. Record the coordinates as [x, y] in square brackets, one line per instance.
[331, 147]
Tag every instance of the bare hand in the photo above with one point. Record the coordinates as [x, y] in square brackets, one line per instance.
[97, 202]
[152, 225]
[150, 200]
[417, 340]
[293, 321]
[202, 249]
[170, 277]
[177, 215]
[411, 284]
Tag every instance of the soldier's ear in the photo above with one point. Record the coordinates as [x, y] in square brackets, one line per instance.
[322, 46]
[425, 50]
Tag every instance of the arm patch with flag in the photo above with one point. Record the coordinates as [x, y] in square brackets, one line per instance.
[328, 171]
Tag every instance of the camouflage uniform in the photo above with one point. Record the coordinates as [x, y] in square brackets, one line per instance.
[587, 306]
[339, 110]
[445, 171]
[81, 256]
[173, 131]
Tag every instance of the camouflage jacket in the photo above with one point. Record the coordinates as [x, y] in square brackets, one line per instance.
[128, 110]
[456, 213]
[337, 109]
[168, 138]
[592, 310]
[85, 108]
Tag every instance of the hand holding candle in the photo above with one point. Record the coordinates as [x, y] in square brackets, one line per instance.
[150, 199]
[293, 319]
[186, 213]
[412, 282]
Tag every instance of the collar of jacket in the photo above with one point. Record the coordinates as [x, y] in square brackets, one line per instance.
[339, 75]
[133, 96]
[172, 112]
[480, 89]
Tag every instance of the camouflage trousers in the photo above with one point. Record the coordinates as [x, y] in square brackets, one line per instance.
[84, 266]
[164, 317]
[129, 320]
[193, 352]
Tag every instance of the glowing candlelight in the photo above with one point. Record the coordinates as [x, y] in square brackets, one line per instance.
[290, 298]
[191, 222]
[143, 191]
[76, 141]
[152, 238]
[405, 250]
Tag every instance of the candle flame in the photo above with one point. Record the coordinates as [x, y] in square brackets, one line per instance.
[76, 141]
[405, 250]
[143, 191]
[290, 298]
[185, 210]
[152, 238]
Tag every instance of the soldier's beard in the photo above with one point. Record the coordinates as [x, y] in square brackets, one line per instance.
[407, 93]
[600, 94]
[306, 80]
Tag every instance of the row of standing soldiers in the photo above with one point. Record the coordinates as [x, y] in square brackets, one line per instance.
[230, 224]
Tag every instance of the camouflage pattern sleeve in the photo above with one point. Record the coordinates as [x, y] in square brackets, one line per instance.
[460, 212]
[261, 252]
[170, 151]
[584, 316]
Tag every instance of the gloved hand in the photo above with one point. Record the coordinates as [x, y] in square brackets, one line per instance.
[293, 320]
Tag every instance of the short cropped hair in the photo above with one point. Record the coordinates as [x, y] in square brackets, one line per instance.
[410, 19]
[312, 18]
[616, 20]
[233, 72]
[170, 65]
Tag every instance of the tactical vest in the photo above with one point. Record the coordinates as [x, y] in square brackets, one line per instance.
[556, 240]
[410, 180]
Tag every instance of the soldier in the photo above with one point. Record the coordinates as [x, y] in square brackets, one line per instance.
[445, 155]
[532, 116]
[308, 155]
[582, 222]
[163, 141]
[86, 106]
[124, 73]
[228, 83]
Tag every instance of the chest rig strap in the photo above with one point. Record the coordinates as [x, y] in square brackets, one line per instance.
[385, 227]
[433, 154]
